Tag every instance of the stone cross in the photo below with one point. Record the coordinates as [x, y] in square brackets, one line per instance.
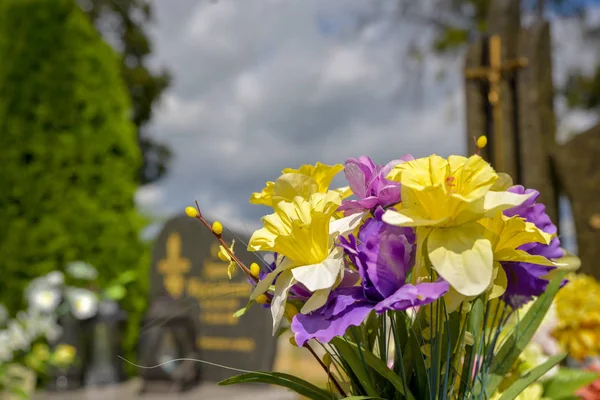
[173, 267]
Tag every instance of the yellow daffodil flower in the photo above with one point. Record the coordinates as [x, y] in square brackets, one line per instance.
[578, 317]
[444, 199]
[505, 236]
[303, 231]
[303, 182]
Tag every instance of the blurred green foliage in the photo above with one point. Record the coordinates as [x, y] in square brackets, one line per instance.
[128, 21]
[69, 154]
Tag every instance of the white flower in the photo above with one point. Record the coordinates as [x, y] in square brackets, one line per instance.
[84, 303]
[6, 353]
[44, 299]
[17, 337]
[55, 278]
[82, 270]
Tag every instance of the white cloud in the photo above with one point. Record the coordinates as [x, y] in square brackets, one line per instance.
[263, 85]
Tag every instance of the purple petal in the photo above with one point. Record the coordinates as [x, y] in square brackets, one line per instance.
[350, 207]
[389, 166]
[389, 195]
[359, 173]
[411, 296]
[340, 300]
[316, 326]
[350, 278]
[524, 282]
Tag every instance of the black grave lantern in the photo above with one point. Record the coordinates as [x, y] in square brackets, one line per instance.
[71, 377]
[103, 335]
[168, 335]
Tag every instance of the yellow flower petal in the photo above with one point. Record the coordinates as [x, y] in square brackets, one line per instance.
[345, 225]
[512, 232]
[409, 217]
[503, 183]
[500, 201]
[473, 177]
[463, 257]
[282, 288]
[500, 282]
[299, 230]
[515, 255]
[322, 275]
[264, 284]
[304, 182]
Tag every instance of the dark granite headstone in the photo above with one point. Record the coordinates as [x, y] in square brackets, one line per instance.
[186, 269]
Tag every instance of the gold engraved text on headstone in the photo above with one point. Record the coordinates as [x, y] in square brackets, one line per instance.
[173, 267]
[245, 345]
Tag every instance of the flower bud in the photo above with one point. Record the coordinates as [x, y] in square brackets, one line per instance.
[290, 311]
[327, 360]
[481, 141]
[254, 269]
[191, 212]
[262, 299]
[293, 341]
[217, 227]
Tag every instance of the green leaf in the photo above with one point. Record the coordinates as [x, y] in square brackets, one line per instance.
[521, 335]
[353, 358]
[298, 385]
[374, 362]
[566, 382]
[524, 381]
[362, 398]
[127, 277]
[116, 292]
[243, 311]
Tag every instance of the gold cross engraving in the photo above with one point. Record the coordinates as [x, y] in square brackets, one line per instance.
[174, 266]
[493, 74]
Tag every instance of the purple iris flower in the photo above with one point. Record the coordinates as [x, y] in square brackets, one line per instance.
[368, 182]
[526, 280]
[383, 255]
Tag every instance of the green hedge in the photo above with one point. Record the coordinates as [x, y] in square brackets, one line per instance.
[68, 153]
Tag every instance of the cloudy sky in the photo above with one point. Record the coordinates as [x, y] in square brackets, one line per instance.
[262, 85]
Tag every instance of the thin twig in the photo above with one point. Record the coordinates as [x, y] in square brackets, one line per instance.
[219, 237]
[335, 382]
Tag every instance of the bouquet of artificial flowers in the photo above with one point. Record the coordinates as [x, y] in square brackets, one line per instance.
[409, 285]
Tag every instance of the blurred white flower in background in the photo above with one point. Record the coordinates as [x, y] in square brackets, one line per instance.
[6, 353]
[83, 303]
[44, 299]
[82, 270]
[17, 337]
[55, 278]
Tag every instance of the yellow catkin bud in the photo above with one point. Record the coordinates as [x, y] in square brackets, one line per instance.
[290, 311]
[222, 256]
[481, 142]
[262, 299]
[191, 212]
[217, 227]
[327, 360]
[293, 341]
[254, 269]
